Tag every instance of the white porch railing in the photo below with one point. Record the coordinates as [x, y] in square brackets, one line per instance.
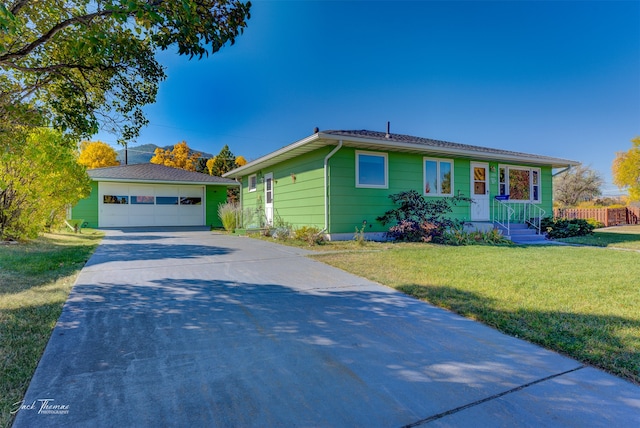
[502, 214]
[505, 213]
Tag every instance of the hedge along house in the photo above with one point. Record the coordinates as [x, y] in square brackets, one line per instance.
[341, 180]
[152, 195]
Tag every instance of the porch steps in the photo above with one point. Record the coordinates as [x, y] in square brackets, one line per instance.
[521, 234]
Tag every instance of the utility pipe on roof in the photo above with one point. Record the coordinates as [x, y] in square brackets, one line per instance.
[326, 183]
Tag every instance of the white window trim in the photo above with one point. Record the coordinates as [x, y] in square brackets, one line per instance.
[424, 176]
[525, 168]
[252, 189]
[386, 170]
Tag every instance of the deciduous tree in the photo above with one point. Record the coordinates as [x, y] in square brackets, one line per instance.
[96, 154]
[210, 163]
[79, 64]
[39, 178]
[578, 184]
[241, 161]
[180, 156]
[626, 170]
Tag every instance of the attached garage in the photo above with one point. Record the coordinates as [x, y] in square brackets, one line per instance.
[152, 195]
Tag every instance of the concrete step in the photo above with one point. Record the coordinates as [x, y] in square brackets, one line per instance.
[522, 234]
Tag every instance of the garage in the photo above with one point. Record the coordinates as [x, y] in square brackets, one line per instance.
[147, 195]
[123, 205]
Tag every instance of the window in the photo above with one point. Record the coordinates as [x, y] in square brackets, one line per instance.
[253, 180]
[438, 177]
[191, 201]
[520, 183]
[142, 200]
[371, 170]
[113, 199]
[166, 200]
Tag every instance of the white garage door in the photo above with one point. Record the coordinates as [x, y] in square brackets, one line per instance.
[123, 205]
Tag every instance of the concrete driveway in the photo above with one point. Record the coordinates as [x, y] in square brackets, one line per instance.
[191, 328]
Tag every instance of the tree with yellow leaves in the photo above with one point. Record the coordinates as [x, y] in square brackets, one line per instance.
[241, 161]
[180, 157]
[96, 154]
[210, 163]
[626, 170]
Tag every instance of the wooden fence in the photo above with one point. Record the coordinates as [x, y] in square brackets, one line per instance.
[607, 216]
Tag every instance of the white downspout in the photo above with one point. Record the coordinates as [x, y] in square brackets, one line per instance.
[326, 183]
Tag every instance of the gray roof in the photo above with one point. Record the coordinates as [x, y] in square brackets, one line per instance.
[373, 140]
[436, 144]
[153, 173]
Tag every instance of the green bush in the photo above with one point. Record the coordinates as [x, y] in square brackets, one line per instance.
[476, 237]
[417, 219]
[310, 234]
[566, 228]
[595, 223]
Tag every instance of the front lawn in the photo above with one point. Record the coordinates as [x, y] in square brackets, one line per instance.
[584, 302]
[627, 237]
[35, 280]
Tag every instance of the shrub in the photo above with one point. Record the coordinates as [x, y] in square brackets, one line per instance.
[418, 219]
[280, 229]
[228, 214]
[595, 223]
[566, 228]
[310, 234]
[477, 237]
[359, 236]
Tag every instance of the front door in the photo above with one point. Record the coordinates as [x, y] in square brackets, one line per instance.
[268, 198]
[480, 192]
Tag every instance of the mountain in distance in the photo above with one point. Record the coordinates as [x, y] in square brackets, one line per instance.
[144, 153]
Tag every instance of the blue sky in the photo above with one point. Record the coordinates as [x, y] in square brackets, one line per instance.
[558, 78]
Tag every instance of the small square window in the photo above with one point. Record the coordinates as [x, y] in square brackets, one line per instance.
[371, 170]
[253, 181]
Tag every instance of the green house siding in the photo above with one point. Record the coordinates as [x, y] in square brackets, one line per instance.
[214, 196]
[350, 206]
[87, 208]
[298, 191]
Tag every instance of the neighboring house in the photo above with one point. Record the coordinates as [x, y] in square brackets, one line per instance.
[340, 180]
[152, 195]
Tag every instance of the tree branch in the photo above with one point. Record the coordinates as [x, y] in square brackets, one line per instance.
[84, 19]
[17, 6]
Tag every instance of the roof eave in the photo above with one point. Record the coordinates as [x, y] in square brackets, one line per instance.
[131, 180]
[263, 161]
[394, 145]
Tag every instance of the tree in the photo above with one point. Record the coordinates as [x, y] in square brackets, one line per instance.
[210, 163]
[80, 64]
[96, 154]
[576, 185]
[39, 178]
[626, 170]
[224, 162]
[241, 161]
[180, 157]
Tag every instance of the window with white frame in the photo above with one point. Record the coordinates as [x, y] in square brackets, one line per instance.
[520, 183]
[371, 170]
[253, 181]
[438, 177]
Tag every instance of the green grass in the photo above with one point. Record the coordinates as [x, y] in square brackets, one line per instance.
[580, 301]
[627, 237]
[35, 280]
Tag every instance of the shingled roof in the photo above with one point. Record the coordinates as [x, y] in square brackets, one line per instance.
[153, 173]
[373, 140]
[435, 144]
